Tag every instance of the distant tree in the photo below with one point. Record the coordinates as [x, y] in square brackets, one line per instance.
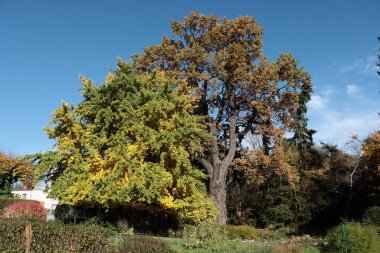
[276, 189]
[262, 186]
[129, 143]
[371, 160]
[371, 155]
[12, 169]
[303, 136]
[240, 90]
[378, 57]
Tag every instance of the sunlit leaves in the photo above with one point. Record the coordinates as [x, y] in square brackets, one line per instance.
[13, 168]
[130, 142]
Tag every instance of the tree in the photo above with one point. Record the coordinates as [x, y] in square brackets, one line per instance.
[371, 152]
[371, 163]
[303, 136]
[378, 57]
[129, 143]
[12, 169]
[240, 90]
[267, 185]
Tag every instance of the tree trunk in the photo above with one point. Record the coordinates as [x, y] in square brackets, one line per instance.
[217, 168]
[218, 192]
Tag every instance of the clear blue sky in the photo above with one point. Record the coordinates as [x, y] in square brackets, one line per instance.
[45, 45]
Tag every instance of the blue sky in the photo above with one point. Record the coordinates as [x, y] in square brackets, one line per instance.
[46, 45]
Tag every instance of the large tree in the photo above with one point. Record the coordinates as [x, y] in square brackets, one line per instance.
[13, 169]
[240, 90]
[129, 143]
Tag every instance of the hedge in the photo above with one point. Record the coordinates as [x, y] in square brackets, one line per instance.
[4, 202]
[52, 237]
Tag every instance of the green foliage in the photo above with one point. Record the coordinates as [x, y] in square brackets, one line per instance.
[144, 244]
[310, 250]
[53, 237]
[372, 216]
[275, 234]
[205, 236]
[258, 195]
[359, 239]
[237, 246]
[123, 228]
[241, 232]
[62, 211]
[130, 142]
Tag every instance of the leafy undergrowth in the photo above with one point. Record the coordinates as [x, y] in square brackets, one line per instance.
[149, 244]
[143, 244]
[359, 239]
[236, 246]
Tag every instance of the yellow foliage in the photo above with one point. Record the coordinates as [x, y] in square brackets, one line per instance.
[129, 143]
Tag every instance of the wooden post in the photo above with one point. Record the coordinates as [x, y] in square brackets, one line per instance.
[28, 242]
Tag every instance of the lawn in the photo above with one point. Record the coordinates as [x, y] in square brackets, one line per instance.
[152, 244]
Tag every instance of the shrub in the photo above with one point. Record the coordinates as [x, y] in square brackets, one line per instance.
[205, 236]
[275, 234]
[123, 228]
[372, 216]
[25, 209]
[49, 237]
[359, 239]
[4, 202]
[242, 232]
[204, 232]
[144, 244]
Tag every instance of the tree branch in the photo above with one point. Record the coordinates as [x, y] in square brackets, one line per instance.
[213, 148]
[206, 164]
[232, 142]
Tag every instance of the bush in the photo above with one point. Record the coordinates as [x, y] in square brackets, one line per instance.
[242, 232]
[25, 209]
[359, 239]
[205, 236]
[144, 244]
[372, 216]
[275, 234]
[4, 202]
[49, 237]
[123, 228]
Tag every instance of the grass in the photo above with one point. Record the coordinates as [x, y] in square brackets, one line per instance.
[184, 246]
[149, 244]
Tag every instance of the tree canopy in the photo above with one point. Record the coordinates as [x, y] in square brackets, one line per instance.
[241, 90]
[12, 169]
[129, 142]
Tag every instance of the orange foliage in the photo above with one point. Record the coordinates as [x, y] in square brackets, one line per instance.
[371, 153]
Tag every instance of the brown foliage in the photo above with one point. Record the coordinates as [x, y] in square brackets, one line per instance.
[240, 90]
[14, 168]
[371, 153]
